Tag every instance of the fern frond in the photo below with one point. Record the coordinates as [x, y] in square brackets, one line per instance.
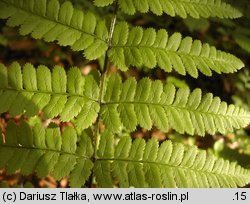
[243, 41]
[47, 151]
[50, 21]
[146, 164]
[150, 103]
[68, 95]
[140, 47]
[102, 3]
[182, 8]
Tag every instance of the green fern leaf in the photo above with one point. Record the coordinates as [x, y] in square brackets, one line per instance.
[102, 3]
[141, 164]
[105, 150]
[48, 20]
[152, 103]
[182, 8]
[47, 151]
[68, 95]
[138, 47]
[243, 41]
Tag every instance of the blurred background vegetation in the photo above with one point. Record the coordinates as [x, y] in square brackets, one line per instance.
[232, 36]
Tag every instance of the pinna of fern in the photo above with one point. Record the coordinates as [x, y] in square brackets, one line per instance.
[149, 48]
[182, 8]
[148, 103]
[47, 151]
[29, 90]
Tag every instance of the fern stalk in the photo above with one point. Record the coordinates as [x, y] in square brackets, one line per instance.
[102, 83]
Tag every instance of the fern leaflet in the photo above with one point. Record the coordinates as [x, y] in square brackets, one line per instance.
[150, 103]
[243, 41]
[146, 164]
[46, 151]
[138, 47]
[182, 8]
[51, 21]
[29, 90]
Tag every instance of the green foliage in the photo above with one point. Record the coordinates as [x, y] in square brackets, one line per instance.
[182, 8]
[196, 24]
[29, 90]
[134, 47]
[243, 41]
[108, 105]
[241, 96]
[139, 47]
[137, 163]
[144, 164]
[46, 151]
[72, 96]
[50, 21]
[152, 103]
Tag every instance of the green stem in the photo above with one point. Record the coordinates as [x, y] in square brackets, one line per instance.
[106, 62]
[102, 82]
